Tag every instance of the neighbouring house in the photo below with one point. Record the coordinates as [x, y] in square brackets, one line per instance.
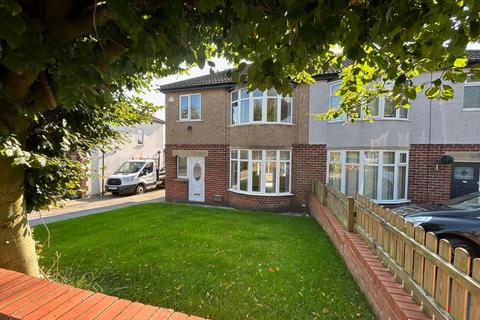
[228, 146]
[145, 141]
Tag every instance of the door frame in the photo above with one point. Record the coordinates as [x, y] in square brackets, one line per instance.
[191, 179]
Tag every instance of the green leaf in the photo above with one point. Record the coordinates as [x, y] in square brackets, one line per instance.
[432, 92]
[460, 62]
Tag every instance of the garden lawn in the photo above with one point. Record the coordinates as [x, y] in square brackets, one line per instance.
[211, 262]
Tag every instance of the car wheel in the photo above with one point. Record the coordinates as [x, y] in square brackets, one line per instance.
[115, 193]
[140, 189]
[472, 250]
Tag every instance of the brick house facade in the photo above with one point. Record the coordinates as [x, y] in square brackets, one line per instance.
[261, 150]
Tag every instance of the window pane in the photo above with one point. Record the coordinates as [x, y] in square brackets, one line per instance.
[270, 177]
[257, 93]
[244, 111]
[244, 175]
[184, 107]
[284, 155]
[272, 92]
[244, 154]
[195, 105]
[370, 182]
[286, 111]
[403, 158]
[353, 157]
[371, 157]
[234, 175]
[373, 107]
[334, 98]
[387, 183]
[244, 94]
[271, 155]
[389, 111]
[234, 154]
[257, 155]
[181, 166]
[471, 97]
[351, 179]
[235, 113]
[334, 175]
[256, 174]
[335, 156]
[401, 182]
[234, 95]
[257, 109]
[284, 177]
[403, 113]
[271, 110]
[389, 157]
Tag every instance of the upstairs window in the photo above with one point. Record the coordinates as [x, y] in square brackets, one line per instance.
[260, 107]
[382, 107]
[190, 107]
[471, 95]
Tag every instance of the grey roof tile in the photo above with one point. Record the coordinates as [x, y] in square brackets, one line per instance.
[222, 78]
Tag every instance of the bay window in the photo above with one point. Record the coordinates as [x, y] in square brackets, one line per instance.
[264, 172]
[379, 175]
[382, 107]
[260, 107]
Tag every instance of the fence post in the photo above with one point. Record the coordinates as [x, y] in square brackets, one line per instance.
[324, 194]
[350, 214]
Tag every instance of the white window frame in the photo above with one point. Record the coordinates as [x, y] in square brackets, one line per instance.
[467, 83]
[363, 116]
[380, 166]
[140, 137]
[189, 107]
[264, 99]
[178, 175]
[263, 162]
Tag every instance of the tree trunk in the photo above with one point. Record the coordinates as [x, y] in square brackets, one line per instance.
[17, 247]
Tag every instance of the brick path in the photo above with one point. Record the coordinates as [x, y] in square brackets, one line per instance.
[24, 297]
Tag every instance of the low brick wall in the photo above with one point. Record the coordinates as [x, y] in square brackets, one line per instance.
[388, 297]
[248, 201]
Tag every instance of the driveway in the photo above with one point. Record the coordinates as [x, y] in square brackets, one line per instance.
[87, 206]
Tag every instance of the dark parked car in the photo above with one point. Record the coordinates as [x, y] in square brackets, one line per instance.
[457, 220]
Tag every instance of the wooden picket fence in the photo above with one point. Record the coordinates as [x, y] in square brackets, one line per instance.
[446, 289]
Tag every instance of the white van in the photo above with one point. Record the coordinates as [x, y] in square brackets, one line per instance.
[135, 177]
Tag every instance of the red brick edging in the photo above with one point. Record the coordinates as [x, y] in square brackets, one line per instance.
[26, 297]
[388, 297]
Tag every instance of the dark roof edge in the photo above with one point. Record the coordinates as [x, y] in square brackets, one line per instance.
[203, 86]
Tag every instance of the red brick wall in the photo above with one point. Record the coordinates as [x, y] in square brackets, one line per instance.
[428, 179]
[275, 203]
[216, 173]
[308, 165]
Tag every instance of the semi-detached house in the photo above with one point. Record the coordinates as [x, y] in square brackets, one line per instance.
[262, 150]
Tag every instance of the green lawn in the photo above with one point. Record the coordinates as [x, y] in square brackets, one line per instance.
[211, 262]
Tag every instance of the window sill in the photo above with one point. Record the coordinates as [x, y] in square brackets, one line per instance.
[197, 120]
[470, 109]
[261, 123]
[374, 119]
[181, 179]
[404, 201]
[259, 194]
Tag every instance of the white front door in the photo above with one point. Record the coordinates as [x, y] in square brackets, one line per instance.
[196, 181]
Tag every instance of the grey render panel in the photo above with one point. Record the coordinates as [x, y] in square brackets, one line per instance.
[436, 122]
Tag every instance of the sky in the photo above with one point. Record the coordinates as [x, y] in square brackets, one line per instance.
[158, 98]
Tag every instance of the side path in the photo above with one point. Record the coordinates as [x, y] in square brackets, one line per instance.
[83, 207]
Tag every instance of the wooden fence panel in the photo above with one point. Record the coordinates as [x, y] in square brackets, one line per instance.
[431, 242]
[458, 306]
[475, 298]
[400, 224]
[442, 285]
[418, 259]
[408, 266]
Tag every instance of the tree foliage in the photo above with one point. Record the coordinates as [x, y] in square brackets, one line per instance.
[66, 65]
